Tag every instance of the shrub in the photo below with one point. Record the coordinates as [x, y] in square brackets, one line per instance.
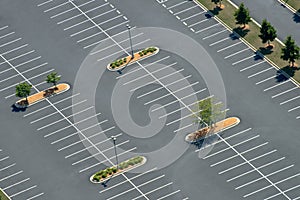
[145, 52]
[109, 171]
[131, 162]
[141, 53]
[125, 60]
[96, 178]
[114, 169]
[104, 175]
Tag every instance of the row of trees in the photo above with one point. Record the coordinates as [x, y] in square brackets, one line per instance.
[290, 53]
[23, 89]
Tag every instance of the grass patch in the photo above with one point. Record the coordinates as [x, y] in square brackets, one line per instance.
[251, 35]
[294, 3]
[3, 196]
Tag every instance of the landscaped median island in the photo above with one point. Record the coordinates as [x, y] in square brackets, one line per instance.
[250, 35]
[207, 131]
[126, 61]
[32, 99]
[106, 174]
[3, 195]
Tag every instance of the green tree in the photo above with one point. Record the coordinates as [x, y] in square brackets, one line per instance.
[23, 90]
[216, 2]
[267, 32]
[291, 51]
[209, 112]
[53, 78]
[242, 16]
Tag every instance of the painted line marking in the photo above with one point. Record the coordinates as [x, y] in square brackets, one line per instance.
[247, 58]
[292, 99]
[260, 72]
[199, 13]
[185, 10]
[265, 80]
[199, 22]
[217, 42]
[18, 193]
[284, 92]
[12, 175]
[236, 53]
[251, 66]
[220, 50]
[7, 167]
[159, 188]
[217, 33]
[10, 186]
[44, 3]
[178, 4]
[33, 197]
[276, 85]
[207, 28]
[15, 49]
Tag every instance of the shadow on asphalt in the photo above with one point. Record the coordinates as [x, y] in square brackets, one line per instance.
[296, 17]
[15, 109]
[285, 73]
[242, 32]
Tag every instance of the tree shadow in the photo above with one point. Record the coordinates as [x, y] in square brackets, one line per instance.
[285, 73]
[241, 32]
[216, 10]
[265, 50]
[14, 108]
[234, 36]
[296, 16]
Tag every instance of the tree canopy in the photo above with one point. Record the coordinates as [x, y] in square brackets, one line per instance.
[242, 16]
[23, 90]
[267, 32]
[291, 51]
[53, 78]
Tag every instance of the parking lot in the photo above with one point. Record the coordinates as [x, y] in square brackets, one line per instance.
[14, 181]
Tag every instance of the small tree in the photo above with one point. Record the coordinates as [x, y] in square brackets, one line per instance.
[23, 90]
[242, 16]
[216, 2]
[267, 32]
[53, 78]
[209, 112]
[291, 51]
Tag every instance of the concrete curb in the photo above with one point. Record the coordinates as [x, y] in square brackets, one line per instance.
[119, 173]
[130, 63]
[18, 106]
[5, 194]
[246, 42]
[292, 9]
[233, 125]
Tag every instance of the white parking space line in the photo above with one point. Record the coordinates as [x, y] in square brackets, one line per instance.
[289, 90]
[271, 197]
[220, 50]
[255, 180]
[260, 72]
[249, 67]
[41, 4]
[227, 138]
[4, 27]
[108, 47]
[297, 107]
[18, 193]
[199, 13]
[99, 163]
[227, 148]
[120, 183]
[7, 167]
[233, 54]
[185, 10]
[22, 181]
[65, 108]
[145, 183]
[70, 18]
[207, 28]
[145, 75]
[243, 163]
[274, 86]
[265, 80]
[31, 60]
[234, 156]
[33, 77]
[156, 189]
[159, 88]
[242, 60]
[59, 5]
[217, 42]
[174, 111]
[50, 134]
[196, 23]
[10, 42]
[287, 101]
[250, 171]
[86, 148]
[19, 56]
[137, 69]
[8, 34]
[5, 158]
[296, 198]
[12, 175]
[93, 155]
[190, 85]
[184, 127]
[28, 70]
[85, 119]
[117, 52]
[15, 49]
[171, 74]
[168, 195]
[66, 11]
[212, 35]
[35, 196]
[80, 141]
[178, 4]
